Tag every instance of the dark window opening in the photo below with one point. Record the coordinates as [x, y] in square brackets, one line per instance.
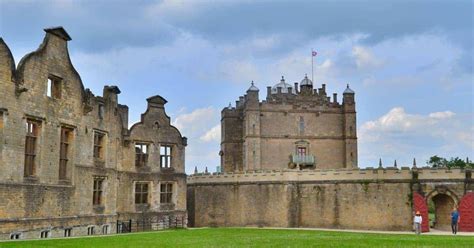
[98, 145]
[67, 232]
[165, 156]
[66, 134]
[44, 234]
[97, 191]
[141, 193]
[141, 154]
[105, 229]
[32, 132]
[15, 236]
[90, 230]
[166, 193]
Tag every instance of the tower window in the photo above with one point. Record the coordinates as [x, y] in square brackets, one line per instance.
[301, 125]
[54, 87]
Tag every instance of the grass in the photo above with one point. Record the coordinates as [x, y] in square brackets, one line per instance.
[248, 237]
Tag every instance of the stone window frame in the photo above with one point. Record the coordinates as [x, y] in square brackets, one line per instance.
[168, 194]
[16, 235]
[98, 191]
[142, 200]
[44, 234]
[141, 159]
[68, 232]
[168, 158]
[105, 229]
[65, 156]
[91, 230]
[54, 87]
[302, 144]
[99, 149]
[32, 135]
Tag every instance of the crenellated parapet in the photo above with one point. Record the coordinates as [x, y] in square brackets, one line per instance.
[330, 176]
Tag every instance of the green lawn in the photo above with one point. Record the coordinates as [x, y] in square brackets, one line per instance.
[243, 237]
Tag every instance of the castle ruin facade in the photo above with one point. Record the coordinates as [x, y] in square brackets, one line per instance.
[69, 164]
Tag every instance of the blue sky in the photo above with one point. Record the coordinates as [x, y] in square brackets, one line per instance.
[409, 62]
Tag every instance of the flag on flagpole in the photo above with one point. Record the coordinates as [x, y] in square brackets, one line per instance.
[314, 53]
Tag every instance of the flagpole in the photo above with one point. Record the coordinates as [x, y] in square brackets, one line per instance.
[312, 70]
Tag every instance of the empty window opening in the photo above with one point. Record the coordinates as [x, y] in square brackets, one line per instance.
[97, 191]
[66, 137]
[44, 234]
[165, 156]
[54, 88]
[98, 145]
[32, 132]
[67, 232]
[15, 236]
[105, 229]
[166, 193]
[141, 154]
[90, 230]
[141, 193]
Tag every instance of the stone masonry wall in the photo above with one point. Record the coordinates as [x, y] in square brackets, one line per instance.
[372, 199]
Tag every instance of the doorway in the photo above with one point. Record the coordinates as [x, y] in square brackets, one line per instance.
[439, 209]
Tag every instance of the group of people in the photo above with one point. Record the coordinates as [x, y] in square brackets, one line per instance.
[455, 218]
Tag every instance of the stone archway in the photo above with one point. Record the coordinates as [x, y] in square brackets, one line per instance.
[444, 201]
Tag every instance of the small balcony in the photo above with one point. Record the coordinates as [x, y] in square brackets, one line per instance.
[302, 159]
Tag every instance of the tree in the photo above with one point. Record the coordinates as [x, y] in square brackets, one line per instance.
[437, 162]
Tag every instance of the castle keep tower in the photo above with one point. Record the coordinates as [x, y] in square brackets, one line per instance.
[296, 127]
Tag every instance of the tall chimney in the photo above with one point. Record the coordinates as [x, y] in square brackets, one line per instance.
[334, 97]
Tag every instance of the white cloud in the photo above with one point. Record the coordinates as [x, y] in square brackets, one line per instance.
[196, 123]
[401, 135]
[214, 134]
[364, 58]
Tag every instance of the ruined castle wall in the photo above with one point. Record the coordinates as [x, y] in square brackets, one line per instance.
[44, 200]
[354, 199]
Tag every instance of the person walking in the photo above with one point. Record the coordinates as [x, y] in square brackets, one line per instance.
[455, 218]
[417, 220]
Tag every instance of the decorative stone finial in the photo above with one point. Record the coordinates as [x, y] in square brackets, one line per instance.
[206, 170]
[195, 169]
[252, 83]
[230, 105]
[414, 163]
[395, 164]
[380, 162]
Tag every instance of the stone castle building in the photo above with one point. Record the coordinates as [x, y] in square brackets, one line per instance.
[294, 127]
[291, 161]
[69, 164]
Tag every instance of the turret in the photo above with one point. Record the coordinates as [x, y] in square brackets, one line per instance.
[252, 95]
[306, 86]
[350, 128]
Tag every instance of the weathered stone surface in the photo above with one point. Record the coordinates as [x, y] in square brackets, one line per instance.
[45, 202]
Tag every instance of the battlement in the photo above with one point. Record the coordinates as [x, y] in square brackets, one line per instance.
[362, 175]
